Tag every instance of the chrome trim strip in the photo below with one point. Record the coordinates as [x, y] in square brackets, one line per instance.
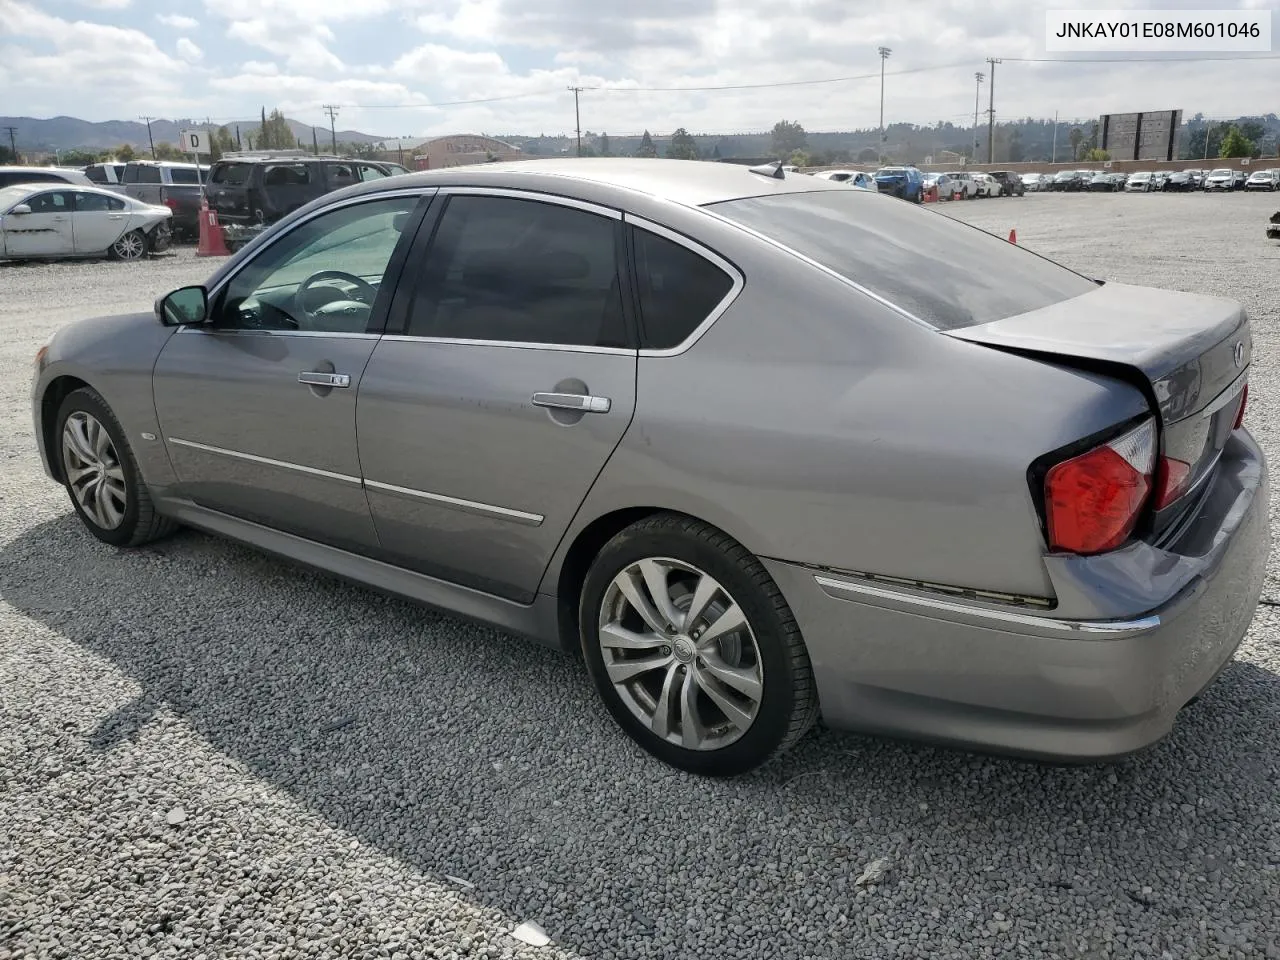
[506, 513]
[739, 282]
[534, 195]
[222, 332]
[514, 345]
[996, 619]
[266, 461]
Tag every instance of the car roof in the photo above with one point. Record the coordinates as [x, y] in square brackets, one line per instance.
[687, 182]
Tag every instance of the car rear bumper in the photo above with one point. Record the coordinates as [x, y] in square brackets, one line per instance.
[945, 669]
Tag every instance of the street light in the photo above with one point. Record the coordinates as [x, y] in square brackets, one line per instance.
[977, 92]
[884, 55]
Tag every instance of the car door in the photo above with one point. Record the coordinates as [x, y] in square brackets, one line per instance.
[257, 406]
[44, 232]
[505, 382]
[97, 221]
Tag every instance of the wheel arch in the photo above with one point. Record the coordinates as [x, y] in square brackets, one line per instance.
[57, 390]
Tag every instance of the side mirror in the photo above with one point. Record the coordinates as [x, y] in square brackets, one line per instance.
[186, 305]
[21, 209]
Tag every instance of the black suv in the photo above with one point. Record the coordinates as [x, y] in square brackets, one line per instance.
[262, 188]
[1011, 184]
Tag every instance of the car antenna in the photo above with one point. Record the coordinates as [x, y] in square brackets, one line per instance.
[773, 170]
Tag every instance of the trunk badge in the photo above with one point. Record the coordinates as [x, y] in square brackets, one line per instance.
[1239, 353]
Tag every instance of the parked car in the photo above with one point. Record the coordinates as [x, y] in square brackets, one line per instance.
[1158, 179]
[943, 186]
[1011, 184]
[177, 186]
[1220, 179]
[14, 175]
[1102, 181]
[262, 188]
[432, 385]
[969, 188]
[1263, 180]
[105, 174]
[905, 183]
[988, 186]
[1034, 182]
[1140, 182]
[46, 221]
[1179, 181]
[1068, 181]
[854, 178]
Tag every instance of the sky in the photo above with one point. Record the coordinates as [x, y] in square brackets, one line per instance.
[399, 68]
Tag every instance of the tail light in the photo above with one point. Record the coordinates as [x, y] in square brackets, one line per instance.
[1093, 501]
[1244, 400]
[171, 203]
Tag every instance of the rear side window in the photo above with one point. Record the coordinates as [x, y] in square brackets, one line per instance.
[97, 203]
[96, 174]
[678, 289]
[148, 174]
[232, 173]
[183, 175]
[287, 175]
[946, 273]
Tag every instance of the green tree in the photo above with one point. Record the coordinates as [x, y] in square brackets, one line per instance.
[7, 156]
[1095, 155]
[124, 153]
[647, 149]
[799, 158]
[274, 133]
[76, 158]
[868, 155]
[220, 141]
[169, 151]
[604, 146]
[1235, 144]
[788, 137]
[682, 146]
[1077, 138]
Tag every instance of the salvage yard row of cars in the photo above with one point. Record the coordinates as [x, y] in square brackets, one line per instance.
[1221, 179]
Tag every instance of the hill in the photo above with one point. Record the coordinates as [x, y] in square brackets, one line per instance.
[66, 133]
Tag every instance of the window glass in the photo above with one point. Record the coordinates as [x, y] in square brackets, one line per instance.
[340, 174]
[678, 289]
[119, 169]
[230, 173]
[96, 174]
[148, 174]
[97, 203]
[287, 175]
[369, 172]
[183, 175]
[324, 275]
[880, 243]
[52, 202]
[520, 271]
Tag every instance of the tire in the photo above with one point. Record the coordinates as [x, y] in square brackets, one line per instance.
[774, 698]
[112, 501]
[131, 246]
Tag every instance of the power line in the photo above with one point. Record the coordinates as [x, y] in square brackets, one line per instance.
[1195, 59]
[778, 83]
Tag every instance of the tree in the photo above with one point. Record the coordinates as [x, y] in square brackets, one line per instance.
[1077, 137]
[647, 149]
[788, 137]
[274, 133]
[220, 141]
[1235, 144]
[868, 155]
[168, 151]
[683, 146]
[1015, 146]
[1096, 154]
[604, 146]
[124, 153]
[7, 156]
[799, 158]
[74, 158]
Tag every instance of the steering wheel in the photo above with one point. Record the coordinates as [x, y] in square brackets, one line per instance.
[364, 292]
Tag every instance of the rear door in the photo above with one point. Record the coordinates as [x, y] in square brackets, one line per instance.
[501, 389]
[98, 221]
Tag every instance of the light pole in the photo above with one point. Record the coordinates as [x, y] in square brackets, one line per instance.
[991, 112]
[884, 55]
[977, 92]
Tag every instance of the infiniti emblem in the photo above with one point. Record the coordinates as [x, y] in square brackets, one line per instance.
[1239, 353]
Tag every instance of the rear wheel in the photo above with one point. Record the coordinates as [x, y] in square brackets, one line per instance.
[693, 648]
[132, 246]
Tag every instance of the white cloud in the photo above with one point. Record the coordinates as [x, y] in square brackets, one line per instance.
[301, 48]
[188, 51]
[108, 4]
[177, 21]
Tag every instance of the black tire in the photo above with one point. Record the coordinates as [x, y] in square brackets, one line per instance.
[788, 704]
[140, 522]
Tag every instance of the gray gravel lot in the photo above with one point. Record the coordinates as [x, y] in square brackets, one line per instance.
[207, 753]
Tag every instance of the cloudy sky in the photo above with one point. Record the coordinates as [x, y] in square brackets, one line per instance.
[399, 67]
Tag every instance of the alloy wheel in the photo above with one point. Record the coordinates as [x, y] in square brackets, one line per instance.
[94, 473]
[130, 247]
[680, 654]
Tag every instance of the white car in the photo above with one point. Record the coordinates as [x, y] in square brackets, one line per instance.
[854, 178]
[42, 220]
[1263, 180]
[1034, 182]
[988, 186]
[1142, 182]
[964, 183]
[1220, 179]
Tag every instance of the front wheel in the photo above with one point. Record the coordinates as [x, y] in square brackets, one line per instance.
[693, 648]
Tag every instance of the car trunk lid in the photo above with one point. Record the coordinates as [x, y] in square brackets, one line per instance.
[1188, 353]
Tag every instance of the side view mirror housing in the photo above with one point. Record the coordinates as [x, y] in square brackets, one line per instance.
[186, 305]
[21, 209]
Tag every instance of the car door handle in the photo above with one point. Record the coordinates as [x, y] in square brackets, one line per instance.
[115, 216]
[580, 402]
[316, 378]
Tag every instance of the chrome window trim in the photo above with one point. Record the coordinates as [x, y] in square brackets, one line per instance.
[472, 506]
[266, 461]
[418, 192]
[739, 282]
[535, 196]
[974, 615]
[220, 332]
[511, 344]
[779, 245]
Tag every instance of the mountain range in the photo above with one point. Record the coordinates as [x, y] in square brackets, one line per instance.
[66, 133]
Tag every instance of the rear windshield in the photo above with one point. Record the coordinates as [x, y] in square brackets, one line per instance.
[230, 173]
[947, 273]
[183, 175]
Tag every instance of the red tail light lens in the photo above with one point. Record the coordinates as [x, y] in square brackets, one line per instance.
[171, 203]
[1174, 476]
[1244, 400]
[1093, 501]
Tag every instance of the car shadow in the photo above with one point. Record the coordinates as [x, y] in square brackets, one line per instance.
[468, 753]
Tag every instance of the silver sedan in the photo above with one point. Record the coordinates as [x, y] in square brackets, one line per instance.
[712, 428]
[46, 221]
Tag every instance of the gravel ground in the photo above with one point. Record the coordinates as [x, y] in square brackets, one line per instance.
[206, 753]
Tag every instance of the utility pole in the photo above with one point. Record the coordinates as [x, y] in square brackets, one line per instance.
[12, 144]
[332, 111]
[1055, 137]
[991, 112]
[977, 92]
[150, 139]
[884, 55]
[1207, 127]
[577, 117]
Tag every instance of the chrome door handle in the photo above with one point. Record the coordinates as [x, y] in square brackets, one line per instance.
[318, 379]
[582, 403]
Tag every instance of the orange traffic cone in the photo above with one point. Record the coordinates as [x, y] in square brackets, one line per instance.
[1013, 236]
[212, 241]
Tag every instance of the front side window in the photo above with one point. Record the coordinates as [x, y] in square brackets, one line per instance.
[368, 171]
[51, 202]
[148, 174]
[324, 275]
[678, 289]
[520, 271]
[879, 243]
[97, 203]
